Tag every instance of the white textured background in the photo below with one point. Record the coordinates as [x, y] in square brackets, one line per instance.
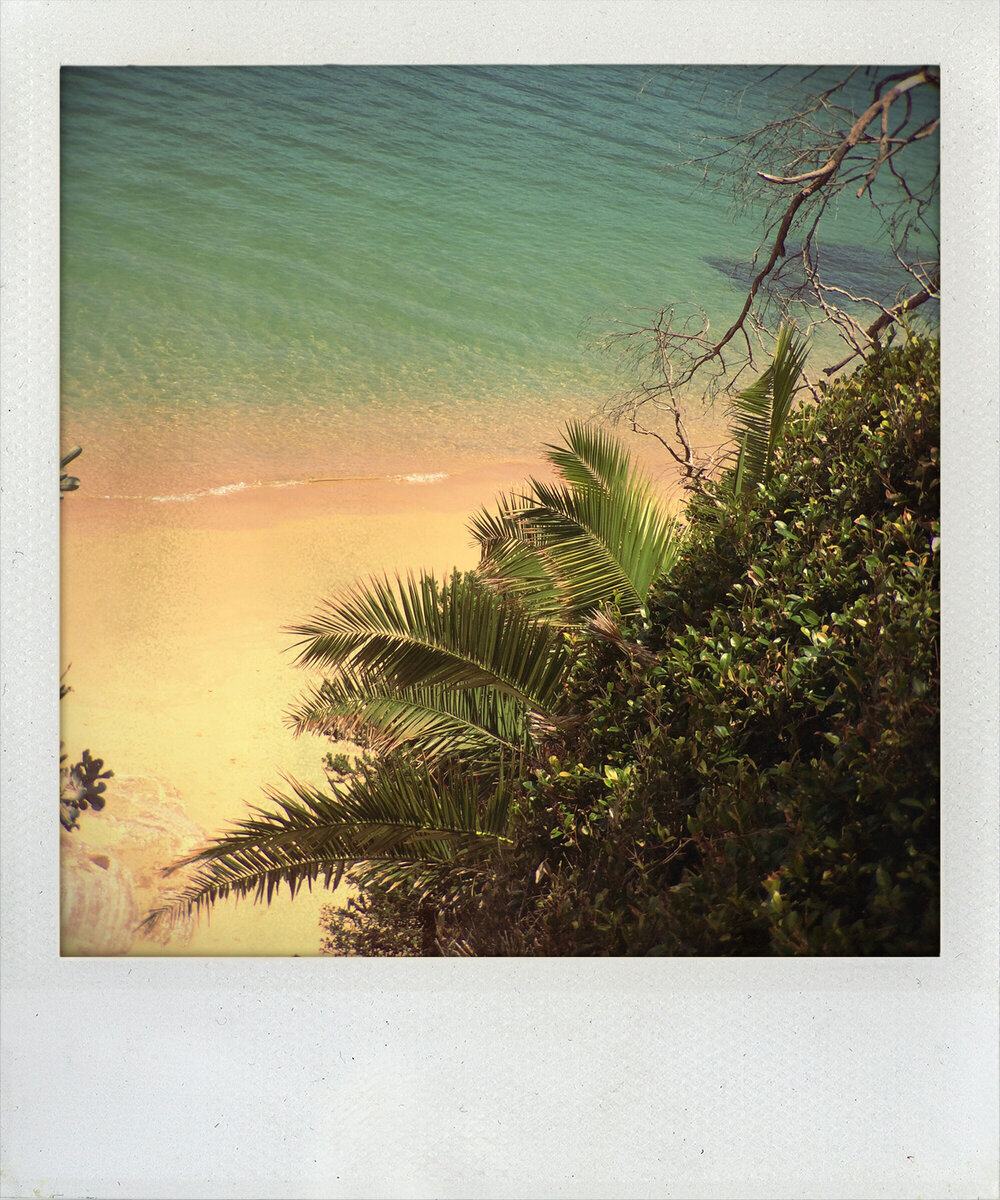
[205, 1078]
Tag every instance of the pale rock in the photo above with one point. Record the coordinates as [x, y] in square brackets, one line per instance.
[112, 867]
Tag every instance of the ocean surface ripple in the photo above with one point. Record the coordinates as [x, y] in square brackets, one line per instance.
[293, 272]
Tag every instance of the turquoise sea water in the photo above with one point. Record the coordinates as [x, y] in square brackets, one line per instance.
[279, 273]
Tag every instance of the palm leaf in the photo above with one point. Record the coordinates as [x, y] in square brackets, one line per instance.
[761, 410]
[514, 559]
[603, 543]
[398, 813]
[431, 720]
[592, 457]
[567, 549]
[416, 632]
[443, 884]
[492, 529]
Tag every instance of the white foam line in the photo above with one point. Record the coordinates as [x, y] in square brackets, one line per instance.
[434, 477]
[224, 490]
[227, 489]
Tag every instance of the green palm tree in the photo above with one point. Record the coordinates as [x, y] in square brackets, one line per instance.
[449, 683]
[446, 680]
[761, 411]
[600, 535]
[403, 822]
[438, 669]
[430, 722]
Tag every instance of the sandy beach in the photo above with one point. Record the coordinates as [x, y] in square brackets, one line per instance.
[172, 629]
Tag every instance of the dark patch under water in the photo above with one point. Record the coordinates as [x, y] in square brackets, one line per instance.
[857, 269]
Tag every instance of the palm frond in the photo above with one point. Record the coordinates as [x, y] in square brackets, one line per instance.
[431, 720]
[398, 812]
[761, 410]
[592, 457]
[565, 549]
[491, 528]
[515, 561]
[416, 632]
[443, 884]
[604, 544]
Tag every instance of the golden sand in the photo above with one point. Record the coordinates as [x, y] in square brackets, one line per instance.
[173, 621]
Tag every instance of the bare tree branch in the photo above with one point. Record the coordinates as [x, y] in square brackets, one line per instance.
[889, 317]
[829, 149]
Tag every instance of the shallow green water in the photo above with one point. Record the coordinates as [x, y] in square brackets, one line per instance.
[276, 273]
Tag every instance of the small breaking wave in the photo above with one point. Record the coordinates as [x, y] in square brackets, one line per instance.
[228, 489]
[433, 477]
[225, 489]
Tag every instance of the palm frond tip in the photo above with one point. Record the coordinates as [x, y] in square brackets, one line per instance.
[432, 720]
[398, 813]
[565, 549]
[761, 411]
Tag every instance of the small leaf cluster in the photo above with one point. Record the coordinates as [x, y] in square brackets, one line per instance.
[67, 482]
[81, 786]
[755, 767]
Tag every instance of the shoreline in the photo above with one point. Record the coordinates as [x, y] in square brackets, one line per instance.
[255, 503]
[172, 630]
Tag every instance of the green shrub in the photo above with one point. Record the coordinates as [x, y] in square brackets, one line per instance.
[757, 772]
[376, 922]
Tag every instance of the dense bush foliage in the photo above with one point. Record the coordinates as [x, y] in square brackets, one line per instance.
[754, 765]
[377, 922]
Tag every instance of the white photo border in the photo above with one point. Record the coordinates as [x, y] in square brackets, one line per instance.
[568, 1078]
